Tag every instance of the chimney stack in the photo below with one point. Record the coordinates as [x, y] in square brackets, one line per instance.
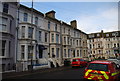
[51, 14]
[74, 24]
[102, 32]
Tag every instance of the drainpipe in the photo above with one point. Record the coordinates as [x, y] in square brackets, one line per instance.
[31, 39]
[17, 28]
[49, 43]
[61, 23]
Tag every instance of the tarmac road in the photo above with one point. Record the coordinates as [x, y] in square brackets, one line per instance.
[60, 73]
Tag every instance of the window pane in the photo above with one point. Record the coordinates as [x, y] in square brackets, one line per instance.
[10, 25]
[39, 35]
[30, 32]
[48, 25]
[55, 27]
[69, 31]
[4, 24]
[68, 52]
[25, 17]
[23, 31]
[3, 67]
[57, 38]
[9, 48]
[3, 47]
[78, 53]
[4, 21]
[22, 51]
[29, 56]
[99, 67]
[65, 52]
[64, 40]
[36, 20]
[5, 7]
[64, 30]
[52, 37]
[45, 37]
[77, 42]
[53, 55]
[57, 52]
[4, 28]
[68, 40]
[30, 49]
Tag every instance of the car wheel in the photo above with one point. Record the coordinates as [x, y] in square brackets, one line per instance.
[72, 66]
[85, 79]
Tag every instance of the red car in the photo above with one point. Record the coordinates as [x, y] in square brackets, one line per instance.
[101, 70]
[78, 62]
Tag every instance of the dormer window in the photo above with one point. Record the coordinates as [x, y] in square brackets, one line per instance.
[91, 36]
[107, 35]
[115, 34]
[98, 35]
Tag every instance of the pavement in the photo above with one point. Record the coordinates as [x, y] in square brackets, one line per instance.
[43, 70]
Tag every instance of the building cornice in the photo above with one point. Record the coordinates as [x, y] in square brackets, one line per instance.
[34, 10]
[51, 19]
[103, 35]
[55, 32]
[28, 24]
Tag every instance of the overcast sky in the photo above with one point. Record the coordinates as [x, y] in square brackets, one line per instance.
[91, 16]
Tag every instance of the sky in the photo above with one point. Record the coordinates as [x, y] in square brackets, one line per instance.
[91, 17]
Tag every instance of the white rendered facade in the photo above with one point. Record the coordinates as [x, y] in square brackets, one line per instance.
[7, 36]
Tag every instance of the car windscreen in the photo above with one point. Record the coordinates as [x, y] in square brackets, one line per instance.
[81, 60]
[99, 67]
[74, 60]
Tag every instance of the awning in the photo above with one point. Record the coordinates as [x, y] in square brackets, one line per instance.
[41, 47]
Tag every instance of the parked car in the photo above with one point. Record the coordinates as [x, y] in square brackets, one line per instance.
[102, 70]
[116, 61]
[78, 62]
[66, 62]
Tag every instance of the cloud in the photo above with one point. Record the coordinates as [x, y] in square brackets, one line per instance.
[110, 14]
[105, 20]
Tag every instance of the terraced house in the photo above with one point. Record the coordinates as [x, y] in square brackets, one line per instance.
[104, 45]
[44, 41]
[31, 38]
[7, 36]
[74, 41]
